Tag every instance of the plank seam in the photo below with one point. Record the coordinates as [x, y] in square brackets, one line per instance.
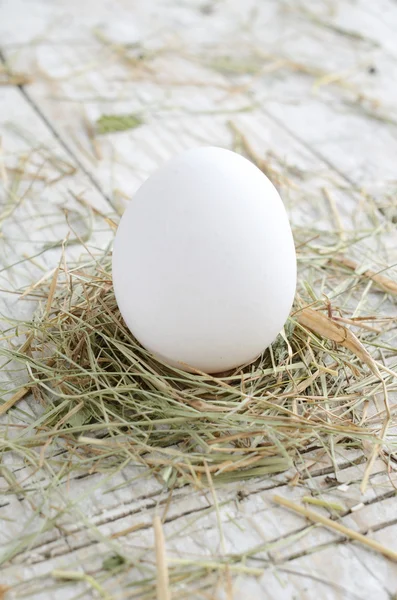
[58, 137]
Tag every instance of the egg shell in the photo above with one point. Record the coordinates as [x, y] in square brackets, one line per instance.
[204, 264]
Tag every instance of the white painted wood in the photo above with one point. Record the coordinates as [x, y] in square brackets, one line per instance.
[186, 93]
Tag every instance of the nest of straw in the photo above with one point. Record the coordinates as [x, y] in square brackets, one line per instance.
[111, 402]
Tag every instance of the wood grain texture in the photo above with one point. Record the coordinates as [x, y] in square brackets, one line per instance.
[312, 86]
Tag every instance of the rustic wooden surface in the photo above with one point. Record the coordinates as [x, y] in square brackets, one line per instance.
[314, 84]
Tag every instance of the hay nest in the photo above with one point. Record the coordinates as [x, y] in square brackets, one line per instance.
[111, 402]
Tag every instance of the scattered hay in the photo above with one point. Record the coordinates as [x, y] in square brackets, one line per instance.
[109, 399]
[102, 402]
[9, 77]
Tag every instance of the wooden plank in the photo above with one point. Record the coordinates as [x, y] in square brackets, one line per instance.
[38, 186]
[252, 522]
[114, 513]
[319, 94]
[187, 94]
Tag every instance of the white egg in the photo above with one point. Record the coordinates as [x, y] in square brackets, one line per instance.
[204, 264]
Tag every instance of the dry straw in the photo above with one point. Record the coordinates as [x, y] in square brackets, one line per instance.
[102, 402]
[316, 517]
[110, 402]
